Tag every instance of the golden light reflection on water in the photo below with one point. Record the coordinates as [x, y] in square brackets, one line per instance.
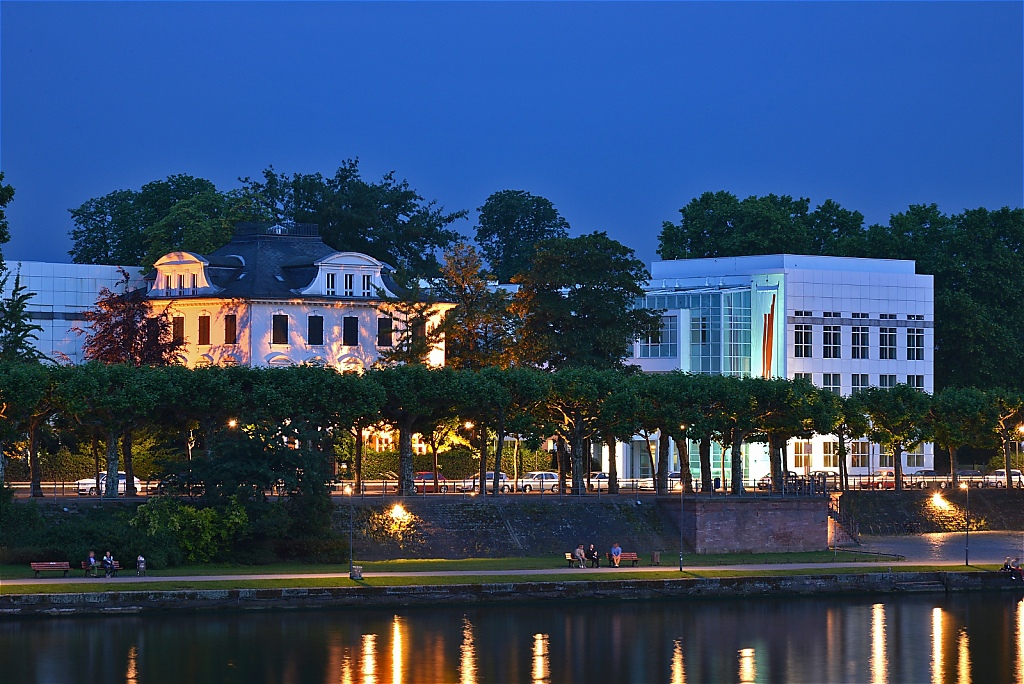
[397, 629]
[541, 667]
[879, 661]
[678, 668]
[467, 664]
[368, 666]
[963, 655]
[938, 674]
[347, 675]
[1020, 641]
[748, 668]
[131, 676]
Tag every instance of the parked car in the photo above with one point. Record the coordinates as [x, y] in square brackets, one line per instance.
[538, 481]
[923, 479]
[425, 482]
[997, 478]
[880, 479]
[87, 487]
[825, 478]
[599, 482]
[973, 478]
[765, 482]
[473, 484]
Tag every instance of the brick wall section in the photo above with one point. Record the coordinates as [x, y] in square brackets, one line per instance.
[757, 525]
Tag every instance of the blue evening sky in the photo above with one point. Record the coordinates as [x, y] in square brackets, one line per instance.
[619, 113]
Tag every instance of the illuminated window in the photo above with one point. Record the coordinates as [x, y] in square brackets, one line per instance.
[831, 454]
[915, 458]
[860, 454]
[664, 343]
[802, 454]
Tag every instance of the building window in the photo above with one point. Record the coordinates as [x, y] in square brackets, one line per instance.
[859, 381]
[803, 314]
[280, 330]
[916, 381]
[419, 330]
[887, 317]
[915, 344]
[331, 284]
[831, 382]
[887, 343]
[802, 454]
[831, 342]
[664, 343]
[885, 459]
[915, 458]
[860, 455]
[204, 330]
[350, 287]
[802, 376]
[886, 380]
[350, 331]
[178, 329]
[367, 285]
[859, 343]
[831, 314]
[181, 283]
[384, 332]
[802, 340]
[315, 331]
[230, 329]
[858, 315]
[195, 285]
[831, 455]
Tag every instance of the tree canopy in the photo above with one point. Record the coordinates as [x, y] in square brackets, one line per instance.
[6, 195]
[511, 224]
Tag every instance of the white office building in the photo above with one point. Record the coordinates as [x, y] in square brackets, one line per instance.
[844, 323]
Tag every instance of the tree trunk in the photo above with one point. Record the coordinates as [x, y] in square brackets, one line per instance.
[358, 465]
[576, 449]
[704, 450]
[613, 467]
[650, 458]
[96, 460]
[515, 461]
[952, 467]
[684, 466]
[483, 459]
[35, 473]
[897, 466]
[1007, 465]
[563, 463]
[110, 491]
[405, 481]
[129, 466]
[3, 465]
[775, 458]
[844, 473]
[663, 466]
[498, 452]
[737, 462]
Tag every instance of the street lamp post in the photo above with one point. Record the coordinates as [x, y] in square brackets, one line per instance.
[351, 526]
[967, 525]
[682, 488]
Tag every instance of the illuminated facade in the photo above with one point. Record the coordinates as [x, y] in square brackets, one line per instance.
[278, 296]
[843, 323]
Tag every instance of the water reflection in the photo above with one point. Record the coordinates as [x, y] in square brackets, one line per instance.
[541, 669]
[938, 639]
[467, 653]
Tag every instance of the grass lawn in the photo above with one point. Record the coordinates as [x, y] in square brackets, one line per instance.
[496, 564]
[102, 585]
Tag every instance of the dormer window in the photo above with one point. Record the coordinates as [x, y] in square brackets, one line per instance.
[350, 284]
[331, 285]
[181, 283]
[195, 283]
[367, 285]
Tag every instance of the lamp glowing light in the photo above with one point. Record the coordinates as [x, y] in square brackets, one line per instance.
[939, 502]
[399, 514]
[232, 423]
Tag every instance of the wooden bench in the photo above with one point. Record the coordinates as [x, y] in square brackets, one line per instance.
[59, 566]
[99, 567]
[623, 557]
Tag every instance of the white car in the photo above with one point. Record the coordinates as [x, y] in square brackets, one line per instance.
[87, 487]
[538, 480]
[473, 484]
[997, 478]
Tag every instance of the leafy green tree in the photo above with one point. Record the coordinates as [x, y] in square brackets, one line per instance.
[387, 219]
[899, 420]
[479, 330]
[1006, 413]
[6, 195]
[785, 409]
[617, 421]
[201, 223]
[961, 416]
[846, 418]
[17, 332]
[705, 418]
[576, 303]
[511, 224]
[24, 403]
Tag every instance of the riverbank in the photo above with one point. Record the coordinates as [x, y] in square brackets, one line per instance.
[565, 588]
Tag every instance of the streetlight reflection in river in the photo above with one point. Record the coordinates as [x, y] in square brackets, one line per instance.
[1020, 640]
[541, 667]
[963, 659]
[369, 664]
[678, 667]
[467, 663]
[396, 650]
[938, 675]
[879, 661]
[748, 669]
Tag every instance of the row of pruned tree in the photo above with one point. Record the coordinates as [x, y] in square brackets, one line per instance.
[246, 429]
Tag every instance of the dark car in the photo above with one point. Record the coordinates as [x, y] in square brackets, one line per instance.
[765, 482]
[424, 482]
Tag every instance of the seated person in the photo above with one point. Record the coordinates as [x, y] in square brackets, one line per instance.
[593, 557]
[108, 566]
[1015, 569]
[579, 556]
[91, 564]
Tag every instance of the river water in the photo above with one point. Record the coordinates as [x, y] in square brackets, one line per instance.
[925, 638]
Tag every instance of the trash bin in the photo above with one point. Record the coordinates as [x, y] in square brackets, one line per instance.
[718, 483]
[356, 572]
[655, 557]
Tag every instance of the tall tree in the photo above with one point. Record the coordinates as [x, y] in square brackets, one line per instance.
[573, 407]
[24, 396]
[511, 224]
[576, 303]
[846, 418]
[6, 195]
[387, 219]
[18, 334]
[961, 416]
[418, 331]
[899, 420]
[1006, 411]
[479, 330]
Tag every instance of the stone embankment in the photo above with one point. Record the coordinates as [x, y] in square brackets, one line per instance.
[933, 510]
[134, 602]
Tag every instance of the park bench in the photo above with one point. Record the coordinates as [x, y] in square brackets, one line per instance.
[569, 559]
[99, 567]
[623, 557]
[59, 566]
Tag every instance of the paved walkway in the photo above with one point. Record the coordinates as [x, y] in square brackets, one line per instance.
[945, 549]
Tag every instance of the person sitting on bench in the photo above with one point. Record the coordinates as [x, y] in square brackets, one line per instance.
[616, 554]
[108, 566]
[593, 557]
